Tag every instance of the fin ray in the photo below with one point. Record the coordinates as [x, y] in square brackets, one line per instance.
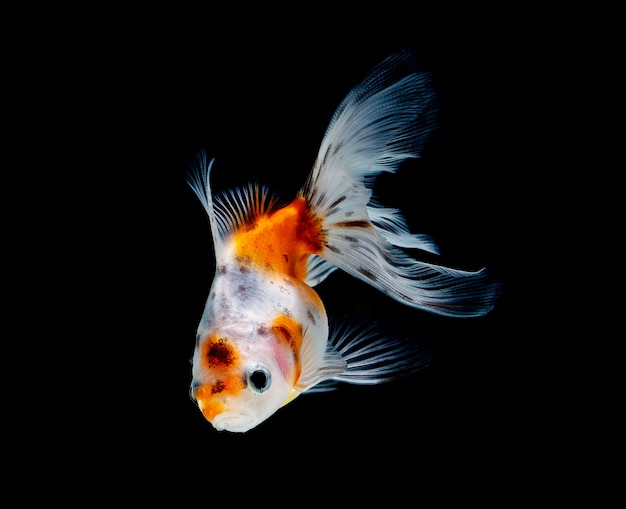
[370, 355]
[238, 206]
[231, 208]
[317, 270]
[198, 179]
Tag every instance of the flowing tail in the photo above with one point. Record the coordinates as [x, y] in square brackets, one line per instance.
[383, 121]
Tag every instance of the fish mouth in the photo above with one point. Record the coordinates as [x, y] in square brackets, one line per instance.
[233, 421]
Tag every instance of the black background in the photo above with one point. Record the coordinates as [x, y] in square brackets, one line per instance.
[259, 103]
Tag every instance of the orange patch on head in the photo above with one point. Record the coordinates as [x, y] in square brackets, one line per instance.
[229, 385]
[223, 379]
[212, 397]
[283, 240]
[211, 409]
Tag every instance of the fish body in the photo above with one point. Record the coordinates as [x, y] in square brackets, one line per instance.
[259, 319]
[265, 337]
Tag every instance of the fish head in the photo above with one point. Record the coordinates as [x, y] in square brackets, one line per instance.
[239, 382]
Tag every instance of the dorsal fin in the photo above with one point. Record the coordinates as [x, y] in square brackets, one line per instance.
[229, 209]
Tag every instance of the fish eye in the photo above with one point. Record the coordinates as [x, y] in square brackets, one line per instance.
[259, 378]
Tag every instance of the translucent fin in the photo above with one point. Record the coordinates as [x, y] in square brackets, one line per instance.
[317, 270]
[318, 363]
[374, 355]
[198, 179]
[434, 288]
[383, 121]
[390, 223]
[370, 355]
[229, 209]
[324, 386]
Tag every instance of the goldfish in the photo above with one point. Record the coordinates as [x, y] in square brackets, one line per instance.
[265, 336]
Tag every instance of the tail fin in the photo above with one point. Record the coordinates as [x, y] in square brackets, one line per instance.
[383, 121]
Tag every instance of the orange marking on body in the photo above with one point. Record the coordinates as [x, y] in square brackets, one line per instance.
[282, 240]
[290, 332]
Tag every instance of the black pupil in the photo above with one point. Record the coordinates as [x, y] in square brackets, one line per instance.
[258, 379]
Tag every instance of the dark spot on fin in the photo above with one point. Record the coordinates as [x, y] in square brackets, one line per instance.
[320, 199]
[330, 148]
[368, 273]
[353, 224]
[337, 202]
[336, 148]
